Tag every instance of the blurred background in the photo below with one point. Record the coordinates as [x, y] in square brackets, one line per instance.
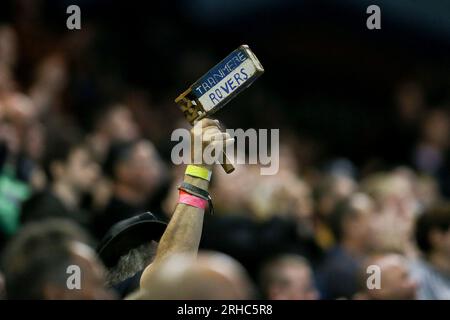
[86, 117]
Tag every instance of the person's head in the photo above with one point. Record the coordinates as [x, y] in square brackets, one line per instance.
[69, 161]
[211, 276]
[288, 277]
[129, 247]
[427, 191]
[116, 123]
[134, 165]
[34, 144]
[233, 195]
[350, 221]
[283, 194]
[136, 260]
[298, 194]
[8, 46]
[433, 231]
[396, 193]
[331, 190]
[409, 98]
[396, 204]
[436, 128]
[395, 282]
[52, 260]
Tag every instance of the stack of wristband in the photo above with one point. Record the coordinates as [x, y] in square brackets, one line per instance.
[192, 195]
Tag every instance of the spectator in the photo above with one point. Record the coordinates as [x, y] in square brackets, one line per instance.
[351, 227]
[395, 283]
[128, 248]
[37, 259]
[329, 191]
[396, 205]
[288, 277]
[212, 276]
[432, 152]
[401, 122]
[16, 167]
[72, 172]
[112, 124]
[432, 271]
[136, 171]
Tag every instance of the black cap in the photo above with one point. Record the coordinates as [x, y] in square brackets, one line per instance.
[128, 234]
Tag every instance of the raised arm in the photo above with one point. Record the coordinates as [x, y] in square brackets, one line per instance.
[185, 227]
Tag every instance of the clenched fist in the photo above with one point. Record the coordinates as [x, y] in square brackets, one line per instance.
[208, 143]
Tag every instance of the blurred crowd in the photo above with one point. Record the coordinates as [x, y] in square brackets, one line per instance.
[309, 232]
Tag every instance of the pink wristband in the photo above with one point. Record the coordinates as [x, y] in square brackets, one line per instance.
[191, 200]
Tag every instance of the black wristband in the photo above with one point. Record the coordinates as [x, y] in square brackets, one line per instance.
[190, 188]
[196, 191]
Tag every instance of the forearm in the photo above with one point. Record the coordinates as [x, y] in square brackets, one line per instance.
[183, 232]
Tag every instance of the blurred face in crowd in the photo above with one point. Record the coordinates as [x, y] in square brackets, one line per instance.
[344, 186]
[16, 114]
[396, 282]
[17, 121]
[296, 283]
[288, 160]
[80, 171]
[141, 170]
[35, 141]
[398, 206]
[9, 136]
[335, 188]
[303, 206]
[92, 281]
[6, 80]
[396, 199]
[120, 125]
[233, 192]
[436, 128]
[358, 228]
[296, 198]
[8, 45]
[427, 191]
[51, 74]
[410, 99]
[19, 109]
[212, 276]
[51, 259]
[281, 194]
[227, 269]
[441, 242]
